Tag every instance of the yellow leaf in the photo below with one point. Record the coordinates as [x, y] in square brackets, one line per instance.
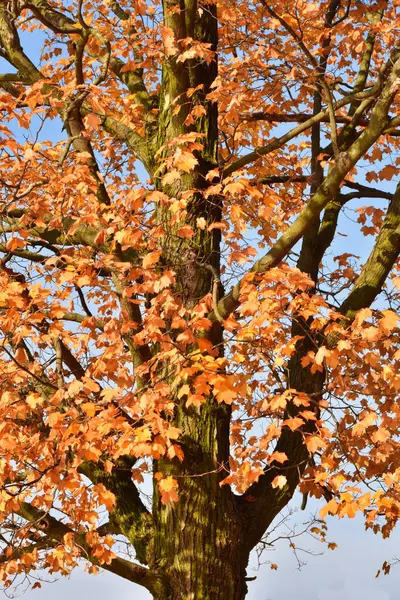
[349, 509]
[184, 160]
[89, 408]
[34, 399]
[89, 385]
[202, 224]
[54, 419]
[329, 508]
[184, 391]
[105, 496]
[169, 41]
[381, 435]
[369, 419]
[170, 177]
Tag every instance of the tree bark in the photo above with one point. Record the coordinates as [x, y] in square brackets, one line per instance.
[198, 542]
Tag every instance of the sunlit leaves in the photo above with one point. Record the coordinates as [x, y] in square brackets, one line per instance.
[168, 487]
[158, 190]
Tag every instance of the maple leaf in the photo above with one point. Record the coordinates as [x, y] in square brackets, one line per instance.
[279, 457]
[36, 585]
[185, 161]
[169, 41]
[389, 321]
[151, 258]
[293, 423]
[55, 419]
[314, 443]
[332, 545]
[168, 487]
[279, 482]
[330, 507]
[171, 177]
[93, 120]
[15, 243]
[185, 231]
[105, 496]
[364, 423]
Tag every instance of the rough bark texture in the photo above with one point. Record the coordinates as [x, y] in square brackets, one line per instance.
[198, 543]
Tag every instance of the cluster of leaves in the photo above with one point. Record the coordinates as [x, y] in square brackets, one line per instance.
[112, 311]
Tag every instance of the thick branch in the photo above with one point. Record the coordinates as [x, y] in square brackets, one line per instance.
[326, 192]
[367, 287]
[277, 143]
[55, 531]
[130, 516]
[272, 117]
[365, 191]
[379, 264]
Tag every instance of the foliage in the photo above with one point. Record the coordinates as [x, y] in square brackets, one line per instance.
[173, 176]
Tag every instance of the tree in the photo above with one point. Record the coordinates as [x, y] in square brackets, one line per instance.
[171, 312]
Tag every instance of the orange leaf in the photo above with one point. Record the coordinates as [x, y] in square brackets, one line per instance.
[330, 508]
[151, 259]
[314, 442]
[389, 321]
[184, 160]
[279, 457]
[168, 487]
[279, 481]
[15, 243]
[294, 423]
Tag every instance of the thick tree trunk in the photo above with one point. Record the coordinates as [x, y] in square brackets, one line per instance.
[198, 542]
[199, 547]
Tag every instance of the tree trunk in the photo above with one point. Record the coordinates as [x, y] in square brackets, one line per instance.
[199, 546]
[197, 541]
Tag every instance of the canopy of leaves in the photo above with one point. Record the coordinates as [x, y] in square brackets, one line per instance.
[172, 178]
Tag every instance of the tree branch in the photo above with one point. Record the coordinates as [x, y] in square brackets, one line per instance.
[269, 501]
[367, 192]
[130, 516]
[277, 143]
[379, 264]
[326, 191]
[54, 531]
